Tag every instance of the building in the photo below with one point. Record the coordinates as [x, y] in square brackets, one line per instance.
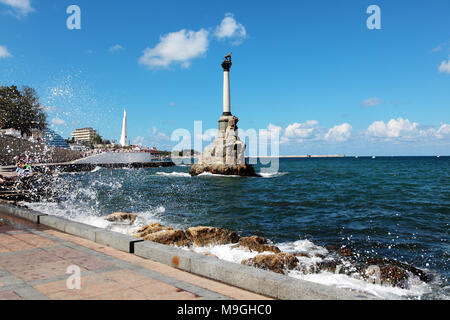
[84, 135]
[52, 139]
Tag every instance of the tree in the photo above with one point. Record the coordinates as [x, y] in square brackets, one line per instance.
[21, 110]
[97, 140]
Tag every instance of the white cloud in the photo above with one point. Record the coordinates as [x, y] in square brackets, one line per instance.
[230, 28]
[176, 47]
[445, 66]
[115, 48]
[4, 53]
[372, 102]
[21, 8]
[308, 130]
[444, 131]
[139, 141]
[403, 129]
[339, 133]
[58, 122]
[395, 128]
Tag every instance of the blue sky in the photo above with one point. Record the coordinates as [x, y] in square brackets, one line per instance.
[310, 70]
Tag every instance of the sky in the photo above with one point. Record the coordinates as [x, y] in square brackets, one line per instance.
[312, 72]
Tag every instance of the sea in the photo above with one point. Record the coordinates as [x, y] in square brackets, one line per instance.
[392, 207]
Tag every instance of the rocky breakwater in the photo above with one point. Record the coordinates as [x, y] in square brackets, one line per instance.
[226, 154]
[33, 188]
[267, 256]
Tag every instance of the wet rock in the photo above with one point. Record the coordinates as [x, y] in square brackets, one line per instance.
[328, 265]
[149, 229]
[244, 170]
[321, 256]
[393, 275]
[202, 236]
[331, 248]
[278, 262]
[301, 254]
[259, 244]
[168, 237]
[422, 275]
[345, 252]
[121, 217]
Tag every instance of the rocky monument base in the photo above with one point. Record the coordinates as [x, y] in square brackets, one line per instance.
[244, 170]
[226, 154]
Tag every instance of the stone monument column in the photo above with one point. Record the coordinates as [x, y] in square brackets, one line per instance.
[226, 154]
[226, 115]
[226, 65]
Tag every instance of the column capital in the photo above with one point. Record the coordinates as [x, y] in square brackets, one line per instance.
[226, 64]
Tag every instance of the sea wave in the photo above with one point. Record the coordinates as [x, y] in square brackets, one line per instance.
[174, 174]
[272, 174]
[228, 252]
[95, 219]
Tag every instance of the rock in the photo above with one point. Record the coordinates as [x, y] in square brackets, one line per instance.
[301, 254]
[259, 244]
[393, 275]
[168, 237]
[422, 275]
[345, 252]
[328, 265]
[331, 248]
[245, 170]
[278, 262]
[121, 217]
[151, 228]
[202, 236]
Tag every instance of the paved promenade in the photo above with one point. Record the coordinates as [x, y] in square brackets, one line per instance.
[34, 261]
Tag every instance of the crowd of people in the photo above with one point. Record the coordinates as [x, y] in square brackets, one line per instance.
[23, 168]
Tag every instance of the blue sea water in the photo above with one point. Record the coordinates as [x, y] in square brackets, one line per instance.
[395, 207]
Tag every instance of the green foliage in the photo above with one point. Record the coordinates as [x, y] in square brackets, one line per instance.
[97, 140]
[21, 110]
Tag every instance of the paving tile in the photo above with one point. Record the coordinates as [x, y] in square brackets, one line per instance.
[157, 293]
[34, 240]
[90, 262]
[66, 252]
[41, 271]
[125, 294]
[27, 258]
[9, 295]
[129, 278]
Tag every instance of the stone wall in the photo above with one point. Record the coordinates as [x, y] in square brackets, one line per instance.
[11, 147]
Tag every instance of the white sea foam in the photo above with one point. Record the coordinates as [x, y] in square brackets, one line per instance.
[226, 252]
[209, 174]
[268, 175]
[174, 174]
[93, 218]
[97, 168]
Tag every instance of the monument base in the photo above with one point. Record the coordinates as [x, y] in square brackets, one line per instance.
[244, 170]
[226, 154]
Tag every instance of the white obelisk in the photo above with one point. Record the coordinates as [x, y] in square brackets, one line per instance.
[123, 137]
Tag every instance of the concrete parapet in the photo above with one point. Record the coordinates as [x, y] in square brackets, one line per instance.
[26, 214]
[116, 240]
